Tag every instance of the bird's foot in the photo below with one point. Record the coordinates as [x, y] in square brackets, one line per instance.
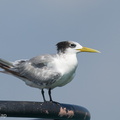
[55, 102]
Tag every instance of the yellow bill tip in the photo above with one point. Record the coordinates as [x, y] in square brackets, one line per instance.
[86, 49]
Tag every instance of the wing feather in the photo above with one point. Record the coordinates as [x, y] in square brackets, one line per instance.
[38, 71]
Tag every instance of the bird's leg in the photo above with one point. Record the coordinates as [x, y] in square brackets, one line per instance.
[49, 92]
[42, 91]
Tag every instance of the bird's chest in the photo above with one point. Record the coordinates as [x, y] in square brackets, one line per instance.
[67, 68]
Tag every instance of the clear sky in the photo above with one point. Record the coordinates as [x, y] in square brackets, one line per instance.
[32, 27]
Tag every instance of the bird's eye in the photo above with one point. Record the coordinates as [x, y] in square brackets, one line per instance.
[72, 45]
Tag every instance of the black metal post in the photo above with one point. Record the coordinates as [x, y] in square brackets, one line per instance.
[49, 110]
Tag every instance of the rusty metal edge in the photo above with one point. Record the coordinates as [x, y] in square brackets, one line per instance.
[49, 110]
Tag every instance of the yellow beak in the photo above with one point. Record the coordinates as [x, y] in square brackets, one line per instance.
[85, 49]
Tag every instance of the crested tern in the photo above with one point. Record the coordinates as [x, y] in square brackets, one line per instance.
[47, 71]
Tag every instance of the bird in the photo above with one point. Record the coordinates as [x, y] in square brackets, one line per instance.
[50, 70]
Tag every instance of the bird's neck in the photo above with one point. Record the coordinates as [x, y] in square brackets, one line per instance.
[67, 55]
[69, 60]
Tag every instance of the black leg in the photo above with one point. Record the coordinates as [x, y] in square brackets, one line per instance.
[49, 92]
[42, 91]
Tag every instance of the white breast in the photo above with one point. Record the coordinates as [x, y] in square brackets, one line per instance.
[66, 65]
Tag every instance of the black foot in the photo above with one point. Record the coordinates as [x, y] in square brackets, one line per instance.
[55, 102]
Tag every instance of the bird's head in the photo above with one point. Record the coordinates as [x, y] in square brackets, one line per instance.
[73, 47]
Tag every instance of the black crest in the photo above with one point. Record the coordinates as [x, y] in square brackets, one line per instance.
[61, 46]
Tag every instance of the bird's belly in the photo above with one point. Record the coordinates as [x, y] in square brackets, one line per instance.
[66, 78]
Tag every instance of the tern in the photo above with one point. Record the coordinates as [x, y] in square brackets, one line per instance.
[48, 71]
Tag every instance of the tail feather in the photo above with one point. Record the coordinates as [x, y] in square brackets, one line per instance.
[6, 66]
[6, 63]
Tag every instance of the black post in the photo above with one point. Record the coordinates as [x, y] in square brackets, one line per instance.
[49, 110]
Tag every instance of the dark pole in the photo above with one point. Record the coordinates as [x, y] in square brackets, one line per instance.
[49, 110]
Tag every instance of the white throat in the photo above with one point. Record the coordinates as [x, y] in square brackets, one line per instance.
[68, 62]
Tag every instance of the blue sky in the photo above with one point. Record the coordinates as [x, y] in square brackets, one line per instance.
[32, 27]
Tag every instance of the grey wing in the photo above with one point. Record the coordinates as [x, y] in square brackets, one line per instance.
[37, 70]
